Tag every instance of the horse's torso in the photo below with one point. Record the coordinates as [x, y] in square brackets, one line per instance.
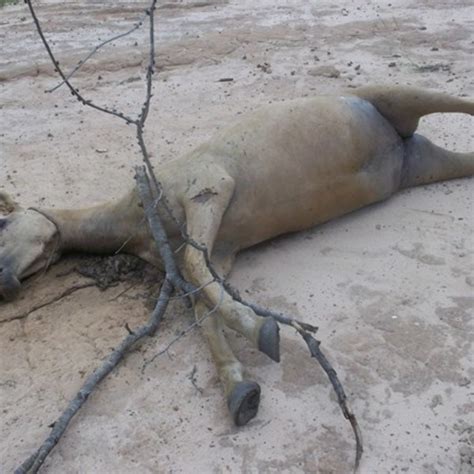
[297, 164]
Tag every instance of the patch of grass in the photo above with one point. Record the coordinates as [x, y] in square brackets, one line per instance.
[8, 2]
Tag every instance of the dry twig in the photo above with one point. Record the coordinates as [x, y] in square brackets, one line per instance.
[315, 351]
[183, 333]
[192, 378]
[96, 49]
[74, 91]
[314, 347]
[55, 299]
[34, 462]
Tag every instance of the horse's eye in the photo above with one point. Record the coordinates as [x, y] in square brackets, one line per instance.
[3, 224]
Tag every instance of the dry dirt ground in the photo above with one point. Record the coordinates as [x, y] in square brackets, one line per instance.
[391, 287]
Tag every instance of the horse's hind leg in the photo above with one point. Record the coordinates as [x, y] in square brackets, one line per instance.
[243, 396]
[404, 106]
[425, 163]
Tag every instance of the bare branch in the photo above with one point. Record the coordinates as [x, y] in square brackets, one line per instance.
[151, 195]
[73, 90]
[314, 347]
[315, 351]
[151, 66]
[34, 462]
[94, 51]
[193, 292]
[140, 123]
[183, 333]
[192, 378]
[266, 313]
[55, 299]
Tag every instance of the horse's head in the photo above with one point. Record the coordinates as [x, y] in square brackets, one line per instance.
[28, 243]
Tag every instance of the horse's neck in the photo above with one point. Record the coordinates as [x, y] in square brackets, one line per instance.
[106, 228]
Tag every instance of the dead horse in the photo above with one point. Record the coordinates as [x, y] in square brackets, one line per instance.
[284, 168]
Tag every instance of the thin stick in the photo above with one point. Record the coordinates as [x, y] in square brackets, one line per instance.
[315, 351]
[266, 313]
[314, 347]
[94, 51]
[197, 290]
[34, 462]
[74, 91]
[183, 333]
[146, 105]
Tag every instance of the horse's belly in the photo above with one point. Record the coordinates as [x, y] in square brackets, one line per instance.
[303, 211]
[315, 169]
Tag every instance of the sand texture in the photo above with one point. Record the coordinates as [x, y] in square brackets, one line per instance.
[391, 287]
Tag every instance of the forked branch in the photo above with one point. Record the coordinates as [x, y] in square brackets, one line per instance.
[58, 69]
[314, 347]
[153, 199]
[34, 462]
[83, 61]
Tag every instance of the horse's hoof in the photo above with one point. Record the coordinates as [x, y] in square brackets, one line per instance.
[243, 402]
[269, 339]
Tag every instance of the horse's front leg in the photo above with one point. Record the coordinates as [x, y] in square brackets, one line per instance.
[205, 203]
[243, 396]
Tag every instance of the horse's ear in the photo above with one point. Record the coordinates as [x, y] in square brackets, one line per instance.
[7, 204]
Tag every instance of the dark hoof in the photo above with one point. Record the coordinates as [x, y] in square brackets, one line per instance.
[243, 402]
[269, 339]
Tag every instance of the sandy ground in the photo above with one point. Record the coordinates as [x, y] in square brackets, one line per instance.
[391, 287]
